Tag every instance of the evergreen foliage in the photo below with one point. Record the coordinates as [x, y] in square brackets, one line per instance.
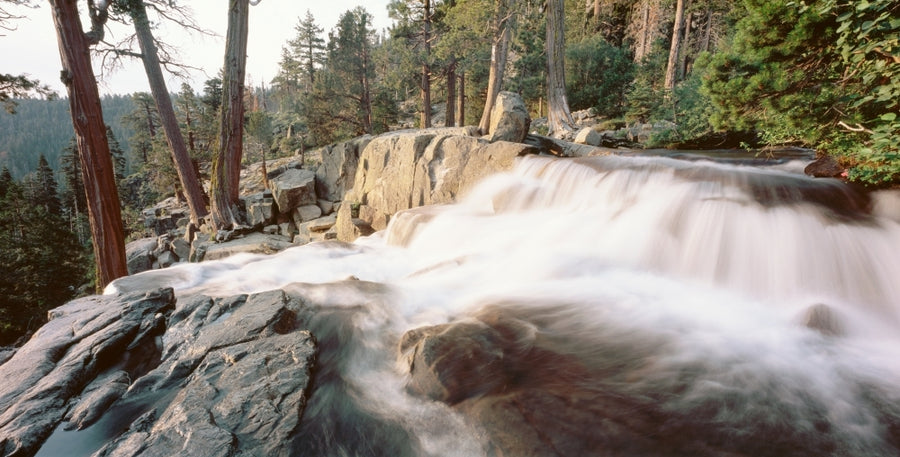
[44, 127]
[818, 73]
[42, 264]
[591, 57]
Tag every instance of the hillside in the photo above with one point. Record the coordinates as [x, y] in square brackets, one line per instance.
[44, 127]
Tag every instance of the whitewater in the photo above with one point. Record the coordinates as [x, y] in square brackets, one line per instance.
[756, 306]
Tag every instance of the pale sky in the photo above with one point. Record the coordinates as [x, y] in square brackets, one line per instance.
[31, 48]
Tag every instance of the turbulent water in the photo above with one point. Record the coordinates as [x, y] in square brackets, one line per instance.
[759, 306]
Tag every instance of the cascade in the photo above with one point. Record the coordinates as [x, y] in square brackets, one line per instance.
[756, 311]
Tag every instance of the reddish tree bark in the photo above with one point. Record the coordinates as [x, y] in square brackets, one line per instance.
[90, 134]
[450, 119]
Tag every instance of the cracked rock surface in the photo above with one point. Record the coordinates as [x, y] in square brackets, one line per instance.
[139, 374]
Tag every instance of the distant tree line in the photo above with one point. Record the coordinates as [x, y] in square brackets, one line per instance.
[43, 127]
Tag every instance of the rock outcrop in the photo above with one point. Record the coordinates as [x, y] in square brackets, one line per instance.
[83, 340]
[404, 170]
[338, 169]
[229, 377]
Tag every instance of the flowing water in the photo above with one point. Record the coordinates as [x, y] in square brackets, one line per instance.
[758, 307]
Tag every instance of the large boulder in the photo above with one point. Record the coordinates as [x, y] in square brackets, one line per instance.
[260, 209]
[230, 377]
[509, 118]
[588, 136]
[294, 188]
[139, 254]
[336, 173]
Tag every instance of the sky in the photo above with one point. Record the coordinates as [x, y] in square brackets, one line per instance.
[32, 48]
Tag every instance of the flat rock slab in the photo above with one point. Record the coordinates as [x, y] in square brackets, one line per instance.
[253, 243]
[82, 338]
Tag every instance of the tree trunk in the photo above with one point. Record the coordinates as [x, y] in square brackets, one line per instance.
[499, 53]
[685, 47]
[366, 99]
[462, 100]
[227, 162]
[426, 69]
[190, 183]
[676, 46]
[643, 45]
[707, 34]
[559, 117]
[450, 119]
[93, 147]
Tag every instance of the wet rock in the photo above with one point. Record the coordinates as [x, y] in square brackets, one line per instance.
[824, 167]
[823, 319]
[233, 380]
[453, 362]
[83, 338]
[97, 398]
[243, 399]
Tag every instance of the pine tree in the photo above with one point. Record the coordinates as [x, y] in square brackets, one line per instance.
[559, 118]
[41, 188]
[187, 176]
[308, 48]
[120, 162]
[6, 180]
[41, 262]
[350, 62]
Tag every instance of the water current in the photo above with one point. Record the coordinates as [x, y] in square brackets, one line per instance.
[762, 303]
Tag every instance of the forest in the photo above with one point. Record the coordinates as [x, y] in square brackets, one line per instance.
[821, 74]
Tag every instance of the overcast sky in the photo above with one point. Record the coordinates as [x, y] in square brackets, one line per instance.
[31, 48]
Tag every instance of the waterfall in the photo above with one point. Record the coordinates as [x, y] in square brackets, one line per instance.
[755, 310]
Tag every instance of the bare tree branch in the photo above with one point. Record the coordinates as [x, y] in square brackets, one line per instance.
[99, 13]
[857, 128]
[6, 16]
[165, 10]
